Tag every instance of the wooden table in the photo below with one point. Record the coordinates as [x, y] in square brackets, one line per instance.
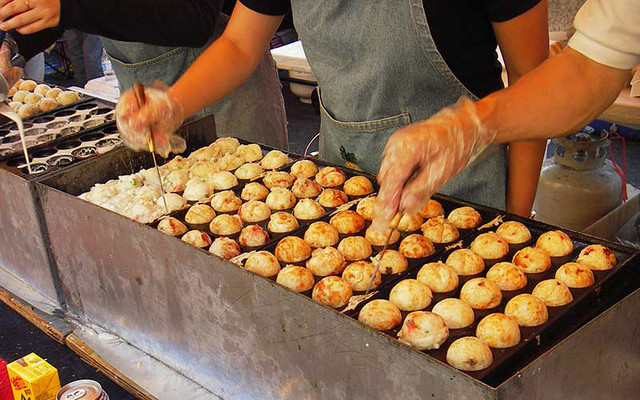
[624, 111]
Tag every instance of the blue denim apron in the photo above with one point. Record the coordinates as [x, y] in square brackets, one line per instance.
[379, 70]
[254, 111]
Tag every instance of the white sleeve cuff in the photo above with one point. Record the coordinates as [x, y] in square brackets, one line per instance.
[601, 53]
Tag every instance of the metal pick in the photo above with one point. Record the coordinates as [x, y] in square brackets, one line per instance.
[392, 226]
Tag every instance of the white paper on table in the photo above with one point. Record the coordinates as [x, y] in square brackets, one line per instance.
[635, 84]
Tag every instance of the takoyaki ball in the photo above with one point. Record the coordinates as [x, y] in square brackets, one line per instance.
[281, 179]
[20, 95]
[377, 238]
[226, 145]
[355, 248]
[197, 239]
[507, 276]
[274, 160]
[27, 85]
[440, 277]
[481, 294]
[365, 207]
[332, 291]
[532, 260]
[456, 313]
[28, 110]
[305, 188]
[254, 191]
[280, 199]
[348, 222]
[423, 330]
[499, 331]
[465, 218]
[575, 275]
[553, 292]
[249, 152]
[32, 98]
[514, 232]
[225, 248]
[321, 234]
[597, 257]
[204, 154]
[254, 211]
[15, 107]
[225, 225]
[332, 198]
[282, 222]
[469, 354]
[68, 97]
[173, 201]
[410, 223]
[392, 262]
[465, 262]
[556, 243]
[195, 190]
[262, 263]
[490, 246]
[416, 246]
[42, 89]
[253, 236]
[411, 295]
[292, 249]
[380, 314]
[223, 180]
[308, 209]
[304, 169]
[432, 209]
[528, 310]
[53, 93]
[172, 227]
[200, 214]
[248, 171]
[326, 261]
[203, 169]
[358, 186]
[330, 177]
[298, 279]
[225, 202]
[47, 104]
[360, 276]
[439, 230]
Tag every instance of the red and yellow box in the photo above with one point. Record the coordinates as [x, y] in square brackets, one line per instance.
[32, 378]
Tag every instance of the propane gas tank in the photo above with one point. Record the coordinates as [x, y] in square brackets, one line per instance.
[578, 185]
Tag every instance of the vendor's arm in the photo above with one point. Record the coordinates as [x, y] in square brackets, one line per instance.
[524, 43]
[189, 23]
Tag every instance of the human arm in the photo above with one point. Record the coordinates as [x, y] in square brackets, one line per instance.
[524, 43]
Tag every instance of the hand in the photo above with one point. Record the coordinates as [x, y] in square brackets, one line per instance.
[421, 157]
[10, 74]
[29, 16]
[161, 114]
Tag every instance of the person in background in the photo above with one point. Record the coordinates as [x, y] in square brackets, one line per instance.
[561, 95]
[34, 69]
[380, 66]
[85, 53]
[157, 40]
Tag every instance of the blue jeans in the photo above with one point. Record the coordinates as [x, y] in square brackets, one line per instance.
[85, 53]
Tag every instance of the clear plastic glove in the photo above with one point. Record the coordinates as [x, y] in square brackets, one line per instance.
[11, 74]
[162, 114]
[421, 157]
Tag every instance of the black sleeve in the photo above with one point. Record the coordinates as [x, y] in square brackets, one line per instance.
[268, 7]
[30, 45]
[504, 10]
[188, 23]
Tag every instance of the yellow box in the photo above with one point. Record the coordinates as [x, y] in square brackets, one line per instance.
[32, 378]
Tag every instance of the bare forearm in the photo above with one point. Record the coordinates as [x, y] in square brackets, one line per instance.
[525, 160]
[566, 92]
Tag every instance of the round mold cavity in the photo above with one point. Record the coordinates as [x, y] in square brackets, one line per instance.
[44, 153]
[108, 143]
[37, 168]
[11, 139]
[110, 117]
[60, 161]
[86, 106]
[78, 118]
[56, 125]
[64, 113]
[47, 138]
[84, 152]
[43, 119]
[16, 161]
[91, 137]
[92, 123]
[4, 152]
[110, 130]
[69, 144]
[34, 131]
[70, 130]
[30, 142]
[100, 111]
[4, 132]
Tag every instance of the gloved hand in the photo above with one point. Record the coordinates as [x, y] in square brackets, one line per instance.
[421, 157]
[11, 74]
[162, 114]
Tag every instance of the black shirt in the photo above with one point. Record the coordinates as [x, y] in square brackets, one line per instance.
[461, 30]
